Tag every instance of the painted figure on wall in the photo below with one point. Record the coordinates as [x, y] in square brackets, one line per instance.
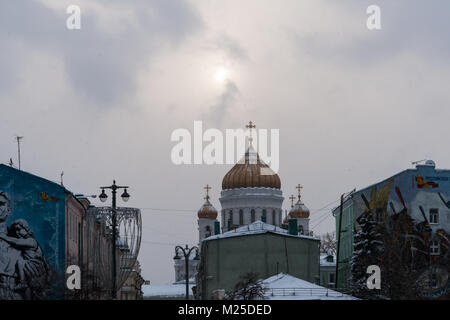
[24, 271]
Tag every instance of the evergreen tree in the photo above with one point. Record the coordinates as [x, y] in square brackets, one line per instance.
[368, 248]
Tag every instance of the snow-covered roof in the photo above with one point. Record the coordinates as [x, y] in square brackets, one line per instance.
[165, 291]
[325, 263]
[286, 287]
[257, 227]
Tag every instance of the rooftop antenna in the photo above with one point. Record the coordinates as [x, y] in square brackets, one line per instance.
[11, 162]
[62, 173]
[417, 162]
[18, 138]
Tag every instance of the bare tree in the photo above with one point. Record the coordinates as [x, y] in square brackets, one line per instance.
[328, 243]
[248, 288]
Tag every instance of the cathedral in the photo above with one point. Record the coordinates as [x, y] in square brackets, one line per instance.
[251, 191]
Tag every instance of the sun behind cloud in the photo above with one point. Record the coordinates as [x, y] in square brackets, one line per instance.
[221, 74]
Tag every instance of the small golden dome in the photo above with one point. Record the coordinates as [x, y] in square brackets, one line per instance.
[299, 211]
[251, 172]
[207, 211]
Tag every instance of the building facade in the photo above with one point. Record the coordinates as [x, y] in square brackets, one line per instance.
[422, 195]
[328, 271]
[258, 247]
[44, 229]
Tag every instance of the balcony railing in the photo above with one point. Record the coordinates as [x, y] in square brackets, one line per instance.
[323, 292]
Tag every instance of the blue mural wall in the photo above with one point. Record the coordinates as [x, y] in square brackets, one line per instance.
[32, 236]
[423, 194]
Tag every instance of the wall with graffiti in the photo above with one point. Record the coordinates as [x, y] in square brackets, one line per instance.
[414, 206]
[32, 236]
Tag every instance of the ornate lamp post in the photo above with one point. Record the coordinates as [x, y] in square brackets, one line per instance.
[186, 252]
[125, 197]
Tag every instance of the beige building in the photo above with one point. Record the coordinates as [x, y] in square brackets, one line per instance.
[132, 288]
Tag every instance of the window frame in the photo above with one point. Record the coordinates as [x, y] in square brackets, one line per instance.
[433, 216]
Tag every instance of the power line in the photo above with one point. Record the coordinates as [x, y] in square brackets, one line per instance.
[167, 209]
[325, 213]
[160, 243]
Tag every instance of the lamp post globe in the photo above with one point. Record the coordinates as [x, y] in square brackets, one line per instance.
[125, 196]
[103, 196]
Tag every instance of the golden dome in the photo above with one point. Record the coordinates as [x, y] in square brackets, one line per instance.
[299, 211]
[251, 172]
[207, 211]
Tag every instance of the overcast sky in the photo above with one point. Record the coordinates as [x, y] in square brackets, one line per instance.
[353, 105]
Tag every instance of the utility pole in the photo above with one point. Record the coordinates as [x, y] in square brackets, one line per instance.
[339, 234]
[18, 138]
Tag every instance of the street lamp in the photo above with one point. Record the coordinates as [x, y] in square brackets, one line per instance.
[125, 197]
[186, 252]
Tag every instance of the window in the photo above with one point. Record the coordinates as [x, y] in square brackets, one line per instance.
[331, 279]
[241, 217]
[207, 231]
[300, 229]
[252, 212]
[230, 217]
[434, 247]
[434, 215]
[264, 214]
[273, 218]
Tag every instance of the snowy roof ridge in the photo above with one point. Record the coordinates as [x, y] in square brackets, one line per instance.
[284, 286]
[257, 227]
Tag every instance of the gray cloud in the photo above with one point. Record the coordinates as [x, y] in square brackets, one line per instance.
[231, 47]
[219, 113]
[415, 26]
[100, 65]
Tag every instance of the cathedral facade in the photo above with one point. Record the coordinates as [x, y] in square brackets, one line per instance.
[251, 192]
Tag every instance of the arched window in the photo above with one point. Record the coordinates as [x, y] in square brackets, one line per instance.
[207, 231]
[241, 217]
[300, 229]
[252, 213]
[274, 221]
[264, 214]
[230, 217]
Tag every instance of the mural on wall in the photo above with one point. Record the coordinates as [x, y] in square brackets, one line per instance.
[411, 216]
[24, 271]
[413, 222]
[32, 236]
[422, 184]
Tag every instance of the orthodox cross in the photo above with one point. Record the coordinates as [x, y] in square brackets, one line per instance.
[250, 125]
[299, 188]
[207, 188]
[292, 200]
